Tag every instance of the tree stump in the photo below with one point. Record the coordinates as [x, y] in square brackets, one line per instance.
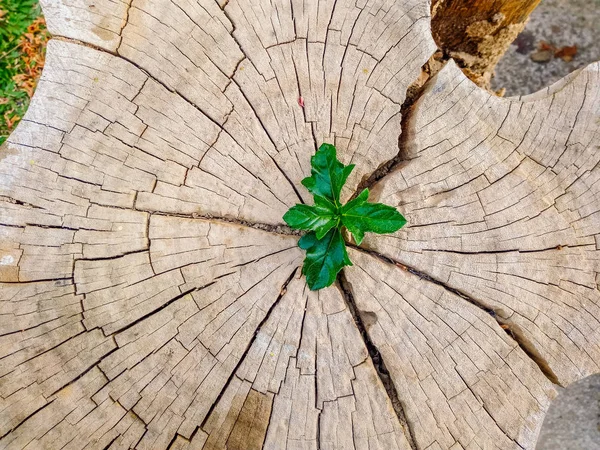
[151, 296]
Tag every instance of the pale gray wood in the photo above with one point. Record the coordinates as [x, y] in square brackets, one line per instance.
[99, 22]
[501, 196]
[456, 371]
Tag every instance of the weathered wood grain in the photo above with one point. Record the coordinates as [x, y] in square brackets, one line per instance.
[350, 64]
[502, 200]
[462, 380]
[151, 296]
[99, 23]
[306, 382]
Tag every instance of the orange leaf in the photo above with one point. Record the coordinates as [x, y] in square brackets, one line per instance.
[543, 45]
[566, 53]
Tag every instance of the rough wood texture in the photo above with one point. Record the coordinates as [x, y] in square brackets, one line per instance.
[476, 33]
[150, 295]
[501, 197]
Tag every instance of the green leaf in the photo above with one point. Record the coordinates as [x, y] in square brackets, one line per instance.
[325, 248]
[319, 218]
[305, 217]
[328, 175]
[360, 217]
[307, 241]
[324, 258]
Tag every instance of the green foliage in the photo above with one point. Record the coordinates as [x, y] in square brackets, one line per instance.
[360, 216]
[324, 258]
[15, 18]
[325, 248]
[328, 175]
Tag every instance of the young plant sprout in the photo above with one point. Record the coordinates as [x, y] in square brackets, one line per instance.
[324, 243]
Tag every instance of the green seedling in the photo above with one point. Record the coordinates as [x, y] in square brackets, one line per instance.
[324, 243]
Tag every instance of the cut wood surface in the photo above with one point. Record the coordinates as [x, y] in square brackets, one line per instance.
[150, 293]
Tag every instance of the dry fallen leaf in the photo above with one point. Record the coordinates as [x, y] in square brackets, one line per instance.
[566, 53]
[32, 46]
[543, 46]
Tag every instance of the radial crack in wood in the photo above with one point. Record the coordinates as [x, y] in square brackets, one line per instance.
[178, 319]
[350, 64]
[306, 382]
[111, 135]
[461, 380]
[502, 201]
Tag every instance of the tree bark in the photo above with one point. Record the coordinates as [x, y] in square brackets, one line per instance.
[476, 33]
[151, 295]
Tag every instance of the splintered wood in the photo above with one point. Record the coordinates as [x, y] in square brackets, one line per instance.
[151, 296]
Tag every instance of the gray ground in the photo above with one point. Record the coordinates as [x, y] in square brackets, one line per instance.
[573, 420]
[560, 23]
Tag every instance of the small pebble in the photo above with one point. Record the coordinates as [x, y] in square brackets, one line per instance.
[541, 56]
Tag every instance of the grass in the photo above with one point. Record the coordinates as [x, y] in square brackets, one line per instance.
[23, 38]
